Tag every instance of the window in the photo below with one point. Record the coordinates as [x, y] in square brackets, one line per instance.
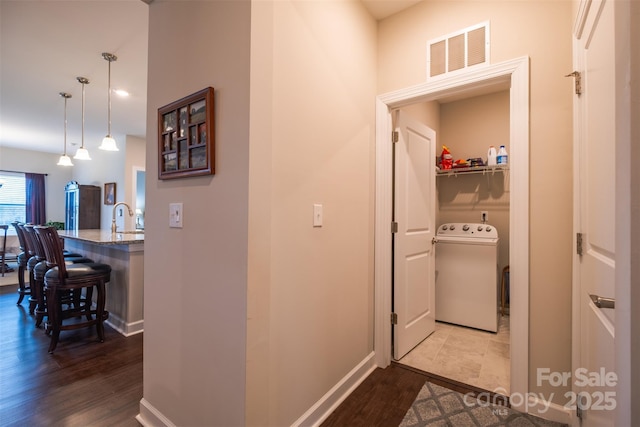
[12, 198]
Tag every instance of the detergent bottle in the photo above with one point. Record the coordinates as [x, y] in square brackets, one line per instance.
[503, 157]
[491, 156]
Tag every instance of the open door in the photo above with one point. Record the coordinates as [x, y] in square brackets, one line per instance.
[414, 214]
[594, 215]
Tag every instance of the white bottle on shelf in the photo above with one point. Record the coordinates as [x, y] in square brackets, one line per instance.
[503, 157]
[491, 156]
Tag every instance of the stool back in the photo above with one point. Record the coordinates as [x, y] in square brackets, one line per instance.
[28, 246]
[21, 238]
[34, 243]
[52, 246]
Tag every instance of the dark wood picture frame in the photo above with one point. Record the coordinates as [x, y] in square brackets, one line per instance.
[109, 193]
[186, 132]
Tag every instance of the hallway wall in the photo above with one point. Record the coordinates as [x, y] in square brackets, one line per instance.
[195, 294]
[515, 32]
[252, 314]
[310, 289]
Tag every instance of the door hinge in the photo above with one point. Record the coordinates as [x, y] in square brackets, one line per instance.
[394, 319]
[579, 243]
[394, 136]
[394, 227]
[577, 81]
[579, 411]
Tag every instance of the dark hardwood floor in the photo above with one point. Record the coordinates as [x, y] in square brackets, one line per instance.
[386, 395]
[84, 383]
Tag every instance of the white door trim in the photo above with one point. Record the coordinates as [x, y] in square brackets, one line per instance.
[515, 72]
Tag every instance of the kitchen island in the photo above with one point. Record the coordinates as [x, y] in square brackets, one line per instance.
[124, 252]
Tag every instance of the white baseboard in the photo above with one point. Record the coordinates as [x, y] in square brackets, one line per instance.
[549, 411]
[149, 416]
[334, 397]
[126, 329]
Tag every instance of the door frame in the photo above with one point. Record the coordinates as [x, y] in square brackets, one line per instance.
[513, 74]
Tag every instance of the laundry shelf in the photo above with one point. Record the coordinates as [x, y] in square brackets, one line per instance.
[485, 170]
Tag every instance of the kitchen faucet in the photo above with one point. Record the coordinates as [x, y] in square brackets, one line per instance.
[113, 215]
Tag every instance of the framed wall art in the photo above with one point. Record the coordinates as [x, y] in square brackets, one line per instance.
[186, 143]
[109, 193]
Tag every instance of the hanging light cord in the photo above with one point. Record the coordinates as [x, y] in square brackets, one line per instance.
[109, 100]
[108, 142]
[65, 96]
[82, 141]
[83, 81]
[109, 57]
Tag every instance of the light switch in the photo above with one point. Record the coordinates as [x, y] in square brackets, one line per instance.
[175, 215]
[317, 215]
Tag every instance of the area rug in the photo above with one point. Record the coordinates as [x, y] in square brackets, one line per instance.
[439, 406]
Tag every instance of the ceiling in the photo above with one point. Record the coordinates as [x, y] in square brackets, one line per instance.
[46, 44]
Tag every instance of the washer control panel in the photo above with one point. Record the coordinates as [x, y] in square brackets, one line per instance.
[461, 229]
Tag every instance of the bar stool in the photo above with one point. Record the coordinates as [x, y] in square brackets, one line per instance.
[3, 248]
[22, 258]
[74, 278]
[37, 266]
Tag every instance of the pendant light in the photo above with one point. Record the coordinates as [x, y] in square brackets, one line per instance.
[82, 153]
[108, 143]
[64, 159]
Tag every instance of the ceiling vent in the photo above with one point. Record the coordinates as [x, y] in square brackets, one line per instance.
[458, 52]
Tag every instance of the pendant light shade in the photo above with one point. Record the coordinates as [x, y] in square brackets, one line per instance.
[82, 153]
[108, 143]
[64, 159]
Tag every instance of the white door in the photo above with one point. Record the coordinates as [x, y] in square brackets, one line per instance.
[594, 191]
[414, 212]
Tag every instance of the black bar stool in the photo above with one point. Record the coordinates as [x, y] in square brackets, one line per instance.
[3, 249]
[37, 266]
[61, 279]
[23, 258]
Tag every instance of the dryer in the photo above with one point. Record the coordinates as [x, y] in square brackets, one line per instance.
[467, 286]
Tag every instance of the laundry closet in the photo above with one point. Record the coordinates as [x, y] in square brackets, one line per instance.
[477, 199]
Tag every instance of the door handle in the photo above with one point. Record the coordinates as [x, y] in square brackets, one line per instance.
[602, 302]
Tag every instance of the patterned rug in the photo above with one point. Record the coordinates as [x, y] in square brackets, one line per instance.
[439, 406]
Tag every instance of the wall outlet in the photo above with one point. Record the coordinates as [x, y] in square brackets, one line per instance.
[484, 216]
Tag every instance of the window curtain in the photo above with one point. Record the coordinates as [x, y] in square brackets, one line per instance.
[35, 203]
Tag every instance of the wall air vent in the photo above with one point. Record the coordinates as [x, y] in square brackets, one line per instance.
[459, 51]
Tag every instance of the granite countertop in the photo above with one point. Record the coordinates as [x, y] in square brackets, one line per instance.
[103, 237]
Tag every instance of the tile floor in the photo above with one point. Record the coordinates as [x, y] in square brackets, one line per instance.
[467, 355]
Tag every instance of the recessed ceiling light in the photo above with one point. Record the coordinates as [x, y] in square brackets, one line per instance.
[121, 92]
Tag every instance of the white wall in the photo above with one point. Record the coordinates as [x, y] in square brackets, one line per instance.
[248, 268]
[196, 277]
[312, 141]
[17, 160]
[104, 166]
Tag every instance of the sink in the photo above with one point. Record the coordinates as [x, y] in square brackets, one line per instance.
[131, 232]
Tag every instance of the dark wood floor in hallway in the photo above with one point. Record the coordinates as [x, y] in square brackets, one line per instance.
[386, 395]
[84, 383]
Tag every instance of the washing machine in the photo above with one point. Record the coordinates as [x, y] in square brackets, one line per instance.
[467, 285]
